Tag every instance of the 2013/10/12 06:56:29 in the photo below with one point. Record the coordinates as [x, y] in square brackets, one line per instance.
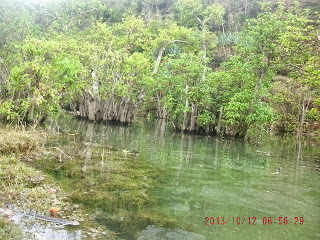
[253, 220]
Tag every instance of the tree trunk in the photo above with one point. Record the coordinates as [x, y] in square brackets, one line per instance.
[92, 106]
[246, 7]
[305, 106]
[258, 85]
[161, 110]
[162, 49]
[219, 121]
[155, 70]
[124, 109]
[204, 50]
[194, 116]
[185, 118]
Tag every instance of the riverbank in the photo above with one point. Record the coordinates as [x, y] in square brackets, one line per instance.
[26, 191]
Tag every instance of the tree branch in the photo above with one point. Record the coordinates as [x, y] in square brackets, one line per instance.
[155, 70]
[198, 19]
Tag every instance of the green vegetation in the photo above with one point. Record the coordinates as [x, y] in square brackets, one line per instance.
[19, 182]
[27, 188]
[126, 180]
[15, 174]
[20, 141]
[9, 231]
[201, 65]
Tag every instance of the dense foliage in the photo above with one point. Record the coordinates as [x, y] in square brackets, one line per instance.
[236, 69]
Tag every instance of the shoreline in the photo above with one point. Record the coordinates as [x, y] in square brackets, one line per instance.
[26, 192]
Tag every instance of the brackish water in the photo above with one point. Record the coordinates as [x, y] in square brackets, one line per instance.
[148, 182]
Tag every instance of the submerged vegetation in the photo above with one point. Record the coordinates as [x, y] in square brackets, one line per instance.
[26, 169]
[235, 69]
[28, 190]
[127, 181]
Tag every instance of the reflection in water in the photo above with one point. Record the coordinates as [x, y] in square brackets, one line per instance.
[33, 226]
[55, 234]
[180, 179]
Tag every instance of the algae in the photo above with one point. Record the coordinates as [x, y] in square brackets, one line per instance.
[113, 183]
[25, 190]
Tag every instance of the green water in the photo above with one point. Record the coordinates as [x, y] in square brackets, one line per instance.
[146, 175]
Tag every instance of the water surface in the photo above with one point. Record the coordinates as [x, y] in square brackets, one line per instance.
[148, 182]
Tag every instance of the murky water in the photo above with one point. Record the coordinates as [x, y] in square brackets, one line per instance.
[147, 182]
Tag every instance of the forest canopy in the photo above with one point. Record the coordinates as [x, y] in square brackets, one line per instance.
[234, 67]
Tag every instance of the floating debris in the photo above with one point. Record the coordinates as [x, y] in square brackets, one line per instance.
[54, 211]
